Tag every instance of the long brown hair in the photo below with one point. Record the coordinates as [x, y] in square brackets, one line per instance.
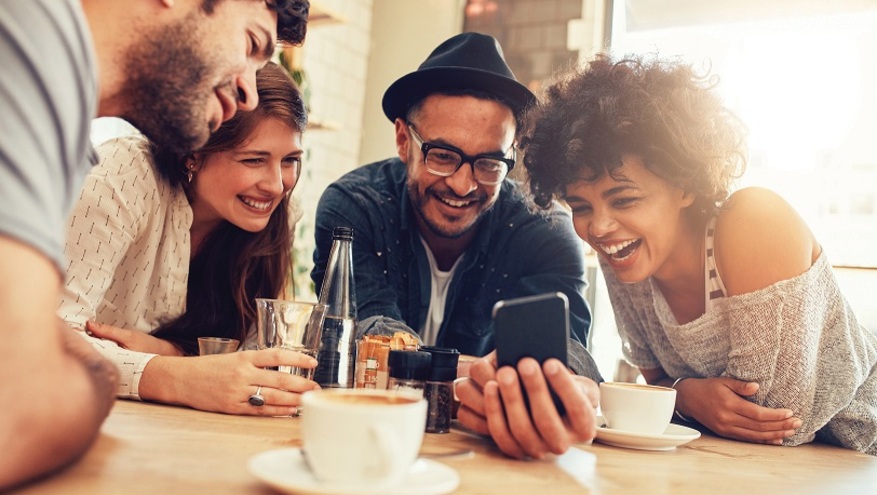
[234, 266]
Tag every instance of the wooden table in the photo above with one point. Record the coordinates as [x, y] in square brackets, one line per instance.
[165, 450]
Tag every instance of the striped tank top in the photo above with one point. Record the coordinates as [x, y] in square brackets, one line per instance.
[714, 287]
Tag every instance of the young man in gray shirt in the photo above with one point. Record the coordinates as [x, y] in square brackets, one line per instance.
[176, 70]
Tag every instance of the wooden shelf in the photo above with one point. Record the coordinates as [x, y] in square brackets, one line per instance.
[323, 125]
[320, 15]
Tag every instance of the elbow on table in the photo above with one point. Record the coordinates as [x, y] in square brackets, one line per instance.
[50, 422]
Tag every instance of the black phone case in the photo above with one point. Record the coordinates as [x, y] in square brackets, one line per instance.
[532, 326]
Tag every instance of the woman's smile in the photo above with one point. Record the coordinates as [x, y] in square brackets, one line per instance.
[260, 206]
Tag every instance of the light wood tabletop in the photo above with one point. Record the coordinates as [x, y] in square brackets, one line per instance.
[165, 450]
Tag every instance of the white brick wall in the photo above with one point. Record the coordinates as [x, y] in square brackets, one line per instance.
[335, 59]
[342, 70]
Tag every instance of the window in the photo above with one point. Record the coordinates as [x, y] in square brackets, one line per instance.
[806, 87]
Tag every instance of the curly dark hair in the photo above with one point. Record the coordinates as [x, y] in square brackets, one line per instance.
[292, 18]
[659, 110]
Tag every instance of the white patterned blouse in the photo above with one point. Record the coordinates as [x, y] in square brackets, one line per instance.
[127, 252]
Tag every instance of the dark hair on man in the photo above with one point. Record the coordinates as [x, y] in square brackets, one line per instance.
[661, 111]
[292, 17]
[234, 266]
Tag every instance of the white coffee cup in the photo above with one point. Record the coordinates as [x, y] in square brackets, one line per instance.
[361, 437]
[637, 408]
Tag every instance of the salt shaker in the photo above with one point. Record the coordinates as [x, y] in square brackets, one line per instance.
[408, 371]
[439, 389]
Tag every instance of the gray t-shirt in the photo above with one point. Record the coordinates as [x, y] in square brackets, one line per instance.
[48, 97]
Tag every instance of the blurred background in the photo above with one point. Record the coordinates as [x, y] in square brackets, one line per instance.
[800, 73]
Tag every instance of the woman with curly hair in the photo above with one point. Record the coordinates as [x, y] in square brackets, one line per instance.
[726, 297]
[166, 247]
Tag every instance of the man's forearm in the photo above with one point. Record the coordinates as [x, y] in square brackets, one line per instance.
[57, 424]
[382, 325]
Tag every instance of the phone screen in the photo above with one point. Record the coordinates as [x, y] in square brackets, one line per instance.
[532, 326]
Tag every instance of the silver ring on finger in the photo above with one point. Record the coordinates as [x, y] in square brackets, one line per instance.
[257, 399]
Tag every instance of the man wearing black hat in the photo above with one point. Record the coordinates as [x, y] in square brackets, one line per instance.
[440, 234]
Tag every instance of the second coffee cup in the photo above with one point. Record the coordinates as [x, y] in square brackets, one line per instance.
[632, 407]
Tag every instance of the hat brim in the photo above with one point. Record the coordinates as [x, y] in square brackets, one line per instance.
[415, 86]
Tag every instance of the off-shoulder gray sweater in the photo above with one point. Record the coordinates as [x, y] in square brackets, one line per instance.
[798, 339]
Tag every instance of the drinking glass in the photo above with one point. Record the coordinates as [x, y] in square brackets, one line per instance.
[292, 325]
[216, 345]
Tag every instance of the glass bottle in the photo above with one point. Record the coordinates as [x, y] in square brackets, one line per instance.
[408, 371]
[336, 357]
[439, 389]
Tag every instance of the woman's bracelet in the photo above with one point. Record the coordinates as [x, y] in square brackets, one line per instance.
[676, 411]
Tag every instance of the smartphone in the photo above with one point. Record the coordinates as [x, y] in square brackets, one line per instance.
[532, 326]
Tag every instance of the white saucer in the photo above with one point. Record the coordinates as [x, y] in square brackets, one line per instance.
[672, 437]
[285, 471]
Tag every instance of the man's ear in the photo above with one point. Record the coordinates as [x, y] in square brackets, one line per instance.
[402, 138]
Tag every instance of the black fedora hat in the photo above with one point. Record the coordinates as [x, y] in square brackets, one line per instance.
[465, 61]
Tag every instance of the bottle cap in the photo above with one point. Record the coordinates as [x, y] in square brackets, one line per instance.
[443, 365]
[342, 233]
[409, 365]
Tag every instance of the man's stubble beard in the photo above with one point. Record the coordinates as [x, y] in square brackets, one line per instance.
[418, 203]
[167, 88]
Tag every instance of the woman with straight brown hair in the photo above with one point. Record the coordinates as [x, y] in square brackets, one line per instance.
[165, 248]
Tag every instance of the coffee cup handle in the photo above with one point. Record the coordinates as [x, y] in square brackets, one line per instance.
[386, 438]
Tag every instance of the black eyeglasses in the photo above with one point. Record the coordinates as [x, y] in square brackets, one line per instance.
[444, 161]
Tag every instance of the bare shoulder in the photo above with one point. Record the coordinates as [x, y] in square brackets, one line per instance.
[760, 240]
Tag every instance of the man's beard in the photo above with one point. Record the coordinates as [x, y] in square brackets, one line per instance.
[447, 230]
[168, 89]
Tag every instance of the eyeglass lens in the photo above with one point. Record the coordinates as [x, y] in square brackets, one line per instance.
[446, 162]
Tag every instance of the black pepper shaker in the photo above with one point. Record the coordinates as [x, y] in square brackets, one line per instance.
[439, 389]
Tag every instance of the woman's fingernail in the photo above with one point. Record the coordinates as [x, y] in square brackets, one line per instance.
[797, 423]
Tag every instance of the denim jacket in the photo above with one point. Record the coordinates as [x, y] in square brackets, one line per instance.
[517, 252]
